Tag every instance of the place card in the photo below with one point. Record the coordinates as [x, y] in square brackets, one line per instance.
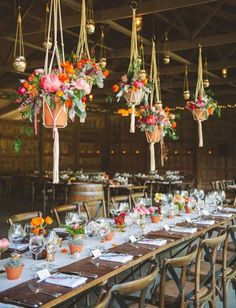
[220, 208]
[166, 227]
[96, 253]
[43, 274]
[189, 220]
[132, 239]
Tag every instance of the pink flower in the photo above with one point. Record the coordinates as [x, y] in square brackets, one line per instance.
[81, 84]
[50, 82]
[138, 84]
[4, 243]
[39, 71]
[22, 90]
[151, 210]
[151, 120]
[200, 103]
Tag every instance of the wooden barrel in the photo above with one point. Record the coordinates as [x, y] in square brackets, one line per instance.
[82, 192]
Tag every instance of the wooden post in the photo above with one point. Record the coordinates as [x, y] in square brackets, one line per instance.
[105, 145]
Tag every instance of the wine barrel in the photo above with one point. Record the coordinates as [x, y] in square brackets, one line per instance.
[82, 192]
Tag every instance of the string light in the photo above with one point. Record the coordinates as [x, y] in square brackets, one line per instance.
[139, 23]
[224, 72]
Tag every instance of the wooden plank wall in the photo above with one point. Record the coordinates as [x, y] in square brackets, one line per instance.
[103, 143]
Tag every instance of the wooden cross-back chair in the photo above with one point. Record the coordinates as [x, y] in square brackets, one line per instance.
[22, 217]
[120, 199]
[173, 285]
[59, 210]
[95, 209]
[122, 293]
[135, 196]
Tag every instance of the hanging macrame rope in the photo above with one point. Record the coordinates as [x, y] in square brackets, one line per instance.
[134, 40]
[155, 94]
[19, 37]
[82, 48]
[55, 14]
[200, 88]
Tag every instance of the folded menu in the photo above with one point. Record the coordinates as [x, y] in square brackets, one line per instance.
[230, 209]
[204, 222]
[184, 230]
[18, 246]
[66, 280]
[60, 230]
[154, 242]
[116, 257]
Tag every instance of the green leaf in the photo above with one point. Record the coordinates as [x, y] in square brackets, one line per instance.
[18, 145]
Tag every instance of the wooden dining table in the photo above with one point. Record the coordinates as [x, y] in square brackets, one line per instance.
[22, 295]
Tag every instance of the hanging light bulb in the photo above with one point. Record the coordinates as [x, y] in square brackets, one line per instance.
[224, 72]
[186, 92]
[91, 97]
[103, 60]
[19, 61]
[47, 43]
[90, 24]
[206, 82]
[139, 23]
[166, 58]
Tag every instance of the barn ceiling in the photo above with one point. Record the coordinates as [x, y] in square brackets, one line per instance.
[211, 23]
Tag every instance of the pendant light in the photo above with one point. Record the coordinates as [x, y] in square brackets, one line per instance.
[90, 24]
[47, 43]
[206, 82]
[19, 61]
[102, 58]
[186, 92]
[166, 58]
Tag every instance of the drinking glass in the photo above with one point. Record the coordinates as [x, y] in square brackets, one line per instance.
[71, 218]
[36, 245]
[16, 234]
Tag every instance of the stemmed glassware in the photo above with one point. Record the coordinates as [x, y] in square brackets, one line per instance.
[16, 234]
[36, 245]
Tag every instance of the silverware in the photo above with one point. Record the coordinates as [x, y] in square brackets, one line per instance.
[141, 246]
[97, 264]
[23, 303]
[80, 274]
[133, 254]
[41, 290]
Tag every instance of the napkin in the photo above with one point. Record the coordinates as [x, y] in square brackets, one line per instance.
[65, 280]
[116, 257]
[154, 242]
[230, 209]
[18, 246]
[204, 222]
[60, 230]
[223, 215]
[183, 230]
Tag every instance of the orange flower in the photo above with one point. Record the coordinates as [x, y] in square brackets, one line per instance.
[145, 81]
[174, 124]
[60, 93]
[106, 73]
[36, 231]
[69, 68]
[68, 103]
[63, 77]
[167, 109]
[26, 84]
[37, 221]
[48, 220]
[115, 88]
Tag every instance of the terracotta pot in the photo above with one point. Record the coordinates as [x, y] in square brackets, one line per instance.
[133, 96]
[60, 114]
[200, 114]
[14, 273]
[155, 136]
[188, 209]
[75, 248]
[155, 218]
[109, 236]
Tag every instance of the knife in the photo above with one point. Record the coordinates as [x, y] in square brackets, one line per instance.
[23, 303]
[81, 274]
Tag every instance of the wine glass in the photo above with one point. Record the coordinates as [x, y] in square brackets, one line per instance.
[71, 218]
[28, 229]
[36, 245]
[16, 234]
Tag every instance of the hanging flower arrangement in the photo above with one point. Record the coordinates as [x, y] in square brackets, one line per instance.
[203, 104]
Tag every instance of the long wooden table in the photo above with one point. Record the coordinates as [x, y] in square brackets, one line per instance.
[22, 293]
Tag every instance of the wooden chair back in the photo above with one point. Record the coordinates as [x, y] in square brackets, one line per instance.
[95, 209]
[119, 291]
[121, 198]
[208, 247]
[104, 299]
[169, 269]
[83, 192]
[17, 218]
[57, 211]
[135, 196]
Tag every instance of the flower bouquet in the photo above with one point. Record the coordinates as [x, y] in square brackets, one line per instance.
[119, 219]
[76, 234]
[142, 211]
[39, 224]
[4, 243]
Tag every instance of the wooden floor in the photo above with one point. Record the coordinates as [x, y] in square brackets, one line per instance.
[12, 206]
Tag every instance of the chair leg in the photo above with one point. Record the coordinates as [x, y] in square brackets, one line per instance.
[212, 303]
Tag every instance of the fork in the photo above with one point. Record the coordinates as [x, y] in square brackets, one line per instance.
[106, 265]
[41, 290]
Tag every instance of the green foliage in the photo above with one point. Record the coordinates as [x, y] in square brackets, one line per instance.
[14, 262]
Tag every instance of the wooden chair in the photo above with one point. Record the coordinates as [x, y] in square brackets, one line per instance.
[119, 199]
[17, 218]
[206, 271]
[172, 291]
[135, 196]
[121, 292]
[62, 209]
[95, 209]
[103, 300]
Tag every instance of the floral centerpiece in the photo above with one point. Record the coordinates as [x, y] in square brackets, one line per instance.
[39, 224]
[179, 202]
[4, 243]
[157, 121]
[142, 211]
[14, 267]
[119, 219]
[76, 234]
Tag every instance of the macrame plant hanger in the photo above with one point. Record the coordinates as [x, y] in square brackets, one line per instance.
[132, 97]
[154, 137]
[200, 115]
[55, 21]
